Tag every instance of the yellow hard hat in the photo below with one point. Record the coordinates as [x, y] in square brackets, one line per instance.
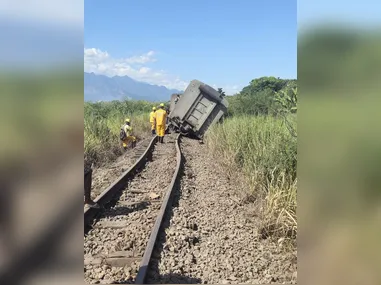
[153, 108]
[161, 104]
[127, 120]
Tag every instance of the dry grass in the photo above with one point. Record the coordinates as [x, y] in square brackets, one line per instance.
[102, 126]
[262, 149]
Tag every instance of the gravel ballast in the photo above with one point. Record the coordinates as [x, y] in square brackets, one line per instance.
[213, 239]
[103, 176]
[102, 241]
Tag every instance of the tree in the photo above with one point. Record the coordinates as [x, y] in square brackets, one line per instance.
[269, 83]
[287, 104]
[264, 96]
[287, 99]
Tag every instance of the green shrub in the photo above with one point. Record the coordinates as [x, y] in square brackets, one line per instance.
[103, 121]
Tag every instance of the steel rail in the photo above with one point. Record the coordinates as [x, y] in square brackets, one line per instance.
[108, 194]
[167, 201]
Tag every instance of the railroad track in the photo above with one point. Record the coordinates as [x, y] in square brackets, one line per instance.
[121, 235]
[103, 177]
[172, 218]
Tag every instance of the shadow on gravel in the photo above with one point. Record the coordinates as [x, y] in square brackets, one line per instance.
[169, 279]
[175, 278]
[125, 210]
[110, 212]
[113, 212]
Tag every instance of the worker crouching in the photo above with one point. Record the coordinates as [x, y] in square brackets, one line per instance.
[126, 135]
[160, 121]
[152, 120]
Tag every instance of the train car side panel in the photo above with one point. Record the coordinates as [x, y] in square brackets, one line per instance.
[198, 108]
[212, 119]
[200, 112]
[174, 100]
[186, 100]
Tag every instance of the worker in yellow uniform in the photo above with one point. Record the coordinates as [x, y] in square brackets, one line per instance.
[160, 120]
[152, 120]
[126, 135]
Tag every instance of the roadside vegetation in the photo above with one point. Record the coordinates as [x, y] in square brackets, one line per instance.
[257, 146]
[102, 123]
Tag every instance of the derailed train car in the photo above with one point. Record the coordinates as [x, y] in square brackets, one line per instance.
[199, 107]
[173, 102]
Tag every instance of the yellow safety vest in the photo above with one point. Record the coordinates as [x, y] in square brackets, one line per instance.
[160, 116]
[128, 130]
[152, 117]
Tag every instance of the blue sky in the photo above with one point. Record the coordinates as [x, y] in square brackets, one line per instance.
[223, 43]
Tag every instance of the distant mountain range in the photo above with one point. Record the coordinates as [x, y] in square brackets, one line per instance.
[104, 88]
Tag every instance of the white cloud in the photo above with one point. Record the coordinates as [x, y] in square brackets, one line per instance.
[101, 62]
[148, 57]
[144, 70]
[96, 55]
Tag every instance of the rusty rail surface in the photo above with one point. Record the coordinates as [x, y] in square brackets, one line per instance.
[144, 265]
[108, 194]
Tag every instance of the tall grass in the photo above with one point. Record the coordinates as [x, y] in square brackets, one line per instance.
[263, 152]
[102, 123]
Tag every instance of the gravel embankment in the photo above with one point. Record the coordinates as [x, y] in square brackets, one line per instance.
[213, 239]
[138, 219]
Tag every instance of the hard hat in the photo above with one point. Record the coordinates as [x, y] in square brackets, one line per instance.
[153, 108]
[161, 104]
[127, 120]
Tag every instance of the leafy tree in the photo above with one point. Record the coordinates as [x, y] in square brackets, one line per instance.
[258, 98]
[287, 104]
[287, 100]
